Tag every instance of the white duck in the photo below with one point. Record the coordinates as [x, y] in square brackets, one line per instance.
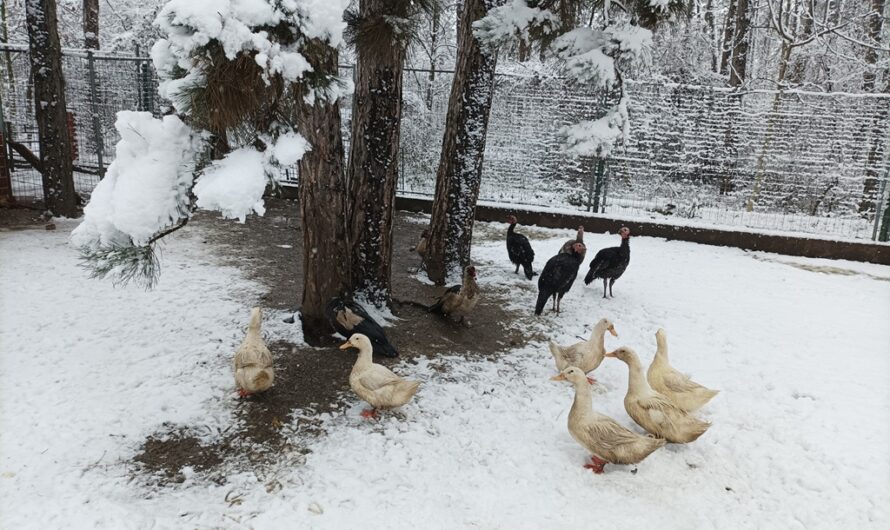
[678, 387]
[653, 411]
[586, 355]
[607, 441]
[374, 383]
[253, 361]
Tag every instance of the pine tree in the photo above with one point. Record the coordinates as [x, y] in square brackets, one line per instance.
[253, 92]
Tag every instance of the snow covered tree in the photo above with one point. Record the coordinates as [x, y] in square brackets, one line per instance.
[50, 108]
[380, 31]
[324, 203]
[463, 145]
[245, 77]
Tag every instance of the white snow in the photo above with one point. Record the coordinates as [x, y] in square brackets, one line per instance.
[146, 186]
[290, 148]
[798, 438]
[234, 185]
[505, 23]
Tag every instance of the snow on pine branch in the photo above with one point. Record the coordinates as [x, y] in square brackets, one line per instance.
[216, 64]
[598, 137]
[146, 187]
[590, 54]
[238, 27]
[505, 23]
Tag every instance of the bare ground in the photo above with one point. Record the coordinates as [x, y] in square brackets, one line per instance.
[310, 381]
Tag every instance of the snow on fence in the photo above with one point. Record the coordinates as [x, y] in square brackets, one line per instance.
[787, 161]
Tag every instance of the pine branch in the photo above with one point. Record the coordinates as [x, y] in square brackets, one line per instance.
[123, 263]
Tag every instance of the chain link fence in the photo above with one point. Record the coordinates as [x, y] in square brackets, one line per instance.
[781, 161]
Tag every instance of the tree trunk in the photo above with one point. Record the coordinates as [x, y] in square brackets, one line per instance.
[49, 101]
[463, 146]
[728, 36]
[323, 201]
[434, 53]
[373, 159]
[740, 44]
[874, 25]
[91, 24]
[712, 35]
[869, 77]
[760, 171]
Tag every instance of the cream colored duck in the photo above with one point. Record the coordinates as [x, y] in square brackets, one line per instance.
[607, 441]
[652, 410]
[253, 361]
[586, 355]
[374, 383]
[682, 391]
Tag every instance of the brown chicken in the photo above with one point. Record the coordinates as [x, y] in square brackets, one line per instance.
[459, 300]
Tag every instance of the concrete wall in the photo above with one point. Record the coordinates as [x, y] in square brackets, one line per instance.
[792, 246]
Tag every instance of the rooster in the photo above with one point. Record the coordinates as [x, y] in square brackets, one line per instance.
[349, 318]
[558, 276]
[519, 249]
[459, 300]
[610, 263]
[567, 246]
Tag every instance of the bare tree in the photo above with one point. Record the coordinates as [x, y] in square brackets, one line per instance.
[50, 107]
[91, 24]
[738, 61]
[463, 146]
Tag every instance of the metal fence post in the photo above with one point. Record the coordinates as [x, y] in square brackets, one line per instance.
[94, 111]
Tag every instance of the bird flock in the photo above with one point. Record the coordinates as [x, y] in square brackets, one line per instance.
[661, 400]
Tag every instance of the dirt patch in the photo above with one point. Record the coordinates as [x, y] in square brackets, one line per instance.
[18, 218]
[169, 454]
[310, 381]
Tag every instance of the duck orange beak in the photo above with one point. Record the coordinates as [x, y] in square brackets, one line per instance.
[612, 331]
[609, 354]
[345, 346]
[558, 377]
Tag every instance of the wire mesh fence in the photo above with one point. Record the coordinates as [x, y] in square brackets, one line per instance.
[784, 161]
[97, 86]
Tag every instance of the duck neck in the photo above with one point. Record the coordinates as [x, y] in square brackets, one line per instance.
[583, 397]
[661, 352]
[254, 329]
[636, 378]
[598, 337]
[470, 288]
[364, 357]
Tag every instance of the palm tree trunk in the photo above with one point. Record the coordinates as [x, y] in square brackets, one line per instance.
[323, 201]
[373, 169]
[51, 108]
[463, 147]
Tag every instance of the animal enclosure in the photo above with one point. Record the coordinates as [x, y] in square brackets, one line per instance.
[789, 161]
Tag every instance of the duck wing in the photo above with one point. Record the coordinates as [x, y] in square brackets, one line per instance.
[680, 383]
[377, 377]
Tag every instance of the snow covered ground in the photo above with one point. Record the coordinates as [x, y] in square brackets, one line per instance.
[799, 435]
